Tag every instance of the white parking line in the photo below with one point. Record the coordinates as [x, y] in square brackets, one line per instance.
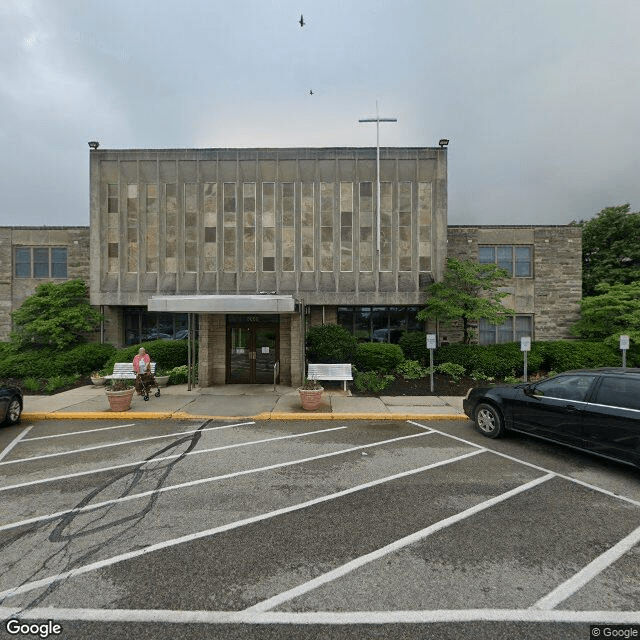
[117, 444]
[45, 582]
[193, 483]
[75, 433]
[538, 467]
[590, 571]
[14, 442]
[348, 567]
[172, 616]
[30, 483]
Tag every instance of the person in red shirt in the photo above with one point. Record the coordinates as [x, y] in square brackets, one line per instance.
[142, 361]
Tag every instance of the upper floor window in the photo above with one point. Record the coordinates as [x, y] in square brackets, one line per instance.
[40, 262]
[517, 260]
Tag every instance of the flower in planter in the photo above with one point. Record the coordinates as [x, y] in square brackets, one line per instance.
[96, 374]
[120, 385]
[311, 385]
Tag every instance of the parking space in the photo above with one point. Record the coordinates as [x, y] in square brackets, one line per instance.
[234, 525]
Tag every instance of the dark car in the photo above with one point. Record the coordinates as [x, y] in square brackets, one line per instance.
[10, 405]
[596, 410]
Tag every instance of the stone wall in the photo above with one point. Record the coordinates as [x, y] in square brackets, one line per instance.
[552, 295]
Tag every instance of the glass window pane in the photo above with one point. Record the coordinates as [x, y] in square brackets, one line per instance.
[565, 387]
[380, 324]
[59, 263]
[523, 327]
[40, 263]
[23, 263]
[505, 331]
[523, 261]
[505, 258]
[487, 332]
[363, 323]
[486, 255]
[345, 318]
[618, 392]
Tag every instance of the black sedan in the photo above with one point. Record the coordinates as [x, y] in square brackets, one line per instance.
[10, 405]
[596, 410]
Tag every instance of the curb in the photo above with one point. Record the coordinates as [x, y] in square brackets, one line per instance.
[267, 415]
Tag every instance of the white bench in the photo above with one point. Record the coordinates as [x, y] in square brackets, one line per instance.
[330, 372]
[124, 371]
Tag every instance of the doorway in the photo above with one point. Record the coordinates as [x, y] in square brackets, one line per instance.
[252, 350]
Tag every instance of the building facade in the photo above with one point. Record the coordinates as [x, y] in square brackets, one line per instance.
[30, 256]
[254, 246]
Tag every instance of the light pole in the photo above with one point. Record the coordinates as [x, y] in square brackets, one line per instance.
[378, 120]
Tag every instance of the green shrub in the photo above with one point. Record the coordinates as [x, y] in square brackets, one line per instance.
[330, 343]
[411, 370]
[378, 356]
[59, 381]
[413, 345]
[565, 355]
[84, 359]
[165, 353]
[29, 363]
[455, 371]
[179, 375]
[371, 381]
[31, 384]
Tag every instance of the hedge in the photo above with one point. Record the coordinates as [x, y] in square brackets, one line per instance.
[330, 343]
[414, 345]
[167, 354]
[499, 360]
[378, 356]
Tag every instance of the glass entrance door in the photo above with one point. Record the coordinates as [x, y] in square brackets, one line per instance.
[252, 351]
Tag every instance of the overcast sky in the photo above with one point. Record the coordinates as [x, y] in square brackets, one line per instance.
[540, 99]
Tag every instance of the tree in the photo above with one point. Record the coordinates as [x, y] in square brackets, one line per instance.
[613, 312]
[468, 291]
[57, 315]
[610, 248]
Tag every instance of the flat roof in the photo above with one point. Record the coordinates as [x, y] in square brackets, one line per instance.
[240, 304]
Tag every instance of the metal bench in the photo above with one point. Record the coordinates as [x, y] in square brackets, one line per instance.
[124, 371]
[330, 372]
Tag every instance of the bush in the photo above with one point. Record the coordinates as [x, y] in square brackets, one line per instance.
[84, 359]
[378, 356]
[411, 370]
[371, 381]
[456, 371]
[167, 354]
[31, 384]
[179, 375]
[565, 355]
[330, 343]
[414, 345]
[57, 382]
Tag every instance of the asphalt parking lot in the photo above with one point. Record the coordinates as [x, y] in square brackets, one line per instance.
[298, 529]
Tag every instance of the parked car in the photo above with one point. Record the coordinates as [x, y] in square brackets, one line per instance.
[595, 410]
[10, 405]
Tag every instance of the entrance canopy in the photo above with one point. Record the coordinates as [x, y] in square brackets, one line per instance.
[223, 304]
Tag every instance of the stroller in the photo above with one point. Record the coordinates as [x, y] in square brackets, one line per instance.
[144, 382]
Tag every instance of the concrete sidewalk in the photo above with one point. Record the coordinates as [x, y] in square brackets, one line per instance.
[259, 402]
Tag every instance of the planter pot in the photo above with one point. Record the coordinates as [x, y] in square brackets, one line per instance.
[310, 398]
[162, 381]
[98, 381]
[120, 400]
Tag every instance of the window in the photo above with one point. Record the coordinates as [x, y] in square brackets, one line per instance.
[379, 324]
[619, 391]
[565, 387]
[512, 330]
[517, 260]
[141, 325]
[40, 262]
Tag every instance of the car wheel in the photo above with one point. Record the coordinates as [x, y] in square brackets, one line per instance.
[489, 421]
[13, 411]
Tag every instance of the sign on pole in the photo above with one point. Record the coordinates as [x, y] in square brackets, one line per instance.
[624, 345]
[525, 345]
[431, 345]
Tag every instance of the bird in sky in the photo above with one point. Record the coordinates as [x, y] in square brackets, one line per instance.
[301, 20]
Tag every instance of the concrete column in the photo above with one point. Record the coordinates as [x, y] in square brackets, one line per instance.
[297, 357]
[212, 350]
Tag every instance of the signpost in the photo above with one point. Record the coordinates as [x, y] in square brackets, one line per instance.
[525, 345]
[431, 345]
[624, 345]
